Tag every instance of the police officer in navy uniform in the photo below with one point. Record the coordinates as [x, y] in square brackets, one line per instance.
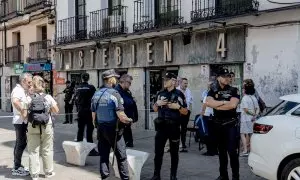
[84, 94]
[170, 105]
[108, 113]
[130, 107]
[224, 100]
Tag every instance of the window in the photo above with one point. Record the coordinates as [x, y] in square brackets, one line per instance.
[296, 112]
[44, 33]
[282, 108]
[80, 18]
[112, 4]
[16, 38]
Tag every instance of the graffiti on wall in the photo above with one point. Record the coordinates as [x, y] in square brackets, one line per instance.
[277, 85]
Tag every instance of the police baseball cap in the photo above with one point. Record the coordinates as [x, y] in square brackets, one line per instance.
[109, 73]
[170, 76]
[224, 72]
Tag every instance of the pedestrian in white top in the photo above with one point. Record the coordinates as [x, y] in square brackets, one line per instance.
[19, 101]
[40, 135]
[249, 112]
[183, 87]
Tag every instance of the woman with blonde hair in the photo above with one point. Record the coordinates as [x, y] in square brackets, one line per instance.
[40, 137]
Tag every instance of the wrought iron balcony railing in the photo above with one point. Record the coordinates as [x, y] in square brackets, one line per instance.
[15, 54]
[108, 22]
[40, 51]
[71, 29]
[153, 14]
[212, 9]
[10, 9]
[33, 5]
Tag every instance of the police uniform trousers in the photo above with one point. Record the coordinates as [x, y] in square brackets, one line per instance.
[106, 140]
[69, 112]
[228, 137]
[85, 120]
[170, 131]
[128, 136]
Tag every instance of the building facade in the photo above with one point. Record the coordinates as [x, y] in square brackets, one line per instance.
[253, 38]
[27, 30]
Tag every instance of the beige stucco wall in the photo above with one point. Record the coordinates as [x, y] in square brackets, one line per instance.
[29, 34]
[198, 78]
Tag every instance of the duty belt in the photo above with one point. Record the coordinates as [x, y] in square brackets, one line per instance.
[225, 121]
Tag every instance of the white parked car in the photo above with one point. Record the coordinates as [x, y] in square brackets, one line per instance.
[275, 144]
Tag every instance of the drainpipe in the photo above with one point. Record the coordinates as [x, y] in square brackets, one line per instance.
[5, 36]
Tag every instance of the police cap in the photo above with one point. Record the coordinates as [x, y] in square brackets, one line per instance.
[224, 72]
[85, 77]
[170, 76]
[109, 73]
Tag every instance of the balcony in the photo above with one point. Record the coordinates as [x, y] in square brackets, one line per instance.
[108, 22]
[154, 14]
[10, 9]
[213, 9]
[71, 30]
[34, 5]
[40, 51]
[15, 54]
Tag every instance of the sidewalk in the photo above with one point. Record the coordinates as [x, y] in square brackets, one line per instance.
[192, 165]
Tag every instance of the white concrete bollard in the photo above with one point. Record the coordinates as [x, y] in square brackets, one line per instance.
[76, 152]
[136, 160]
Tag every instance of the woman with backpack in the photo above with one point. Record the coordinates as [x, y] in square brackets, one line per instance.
[40, 129]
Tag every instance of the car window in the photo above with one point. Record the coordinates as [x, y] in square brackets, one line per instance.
[282, 108]
[296, 112]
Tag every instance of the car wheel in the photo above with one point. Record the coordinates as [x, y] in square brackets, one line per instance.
[291, 171]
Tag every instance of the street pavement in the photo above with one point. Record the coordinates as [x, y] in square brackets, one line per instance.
[192, 165]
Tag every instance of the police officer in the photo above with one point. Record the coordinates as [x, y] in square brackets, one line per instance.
[69, 92]
[83, 96]
[130, 107]
[224, 100]
[170, 105]
[107, 108]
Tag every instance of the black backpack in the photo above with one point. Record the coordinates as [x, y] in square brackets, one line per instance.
[37, 113]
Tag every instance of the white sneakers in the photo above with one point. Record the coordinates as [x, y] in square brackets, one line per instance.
[21, 171]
